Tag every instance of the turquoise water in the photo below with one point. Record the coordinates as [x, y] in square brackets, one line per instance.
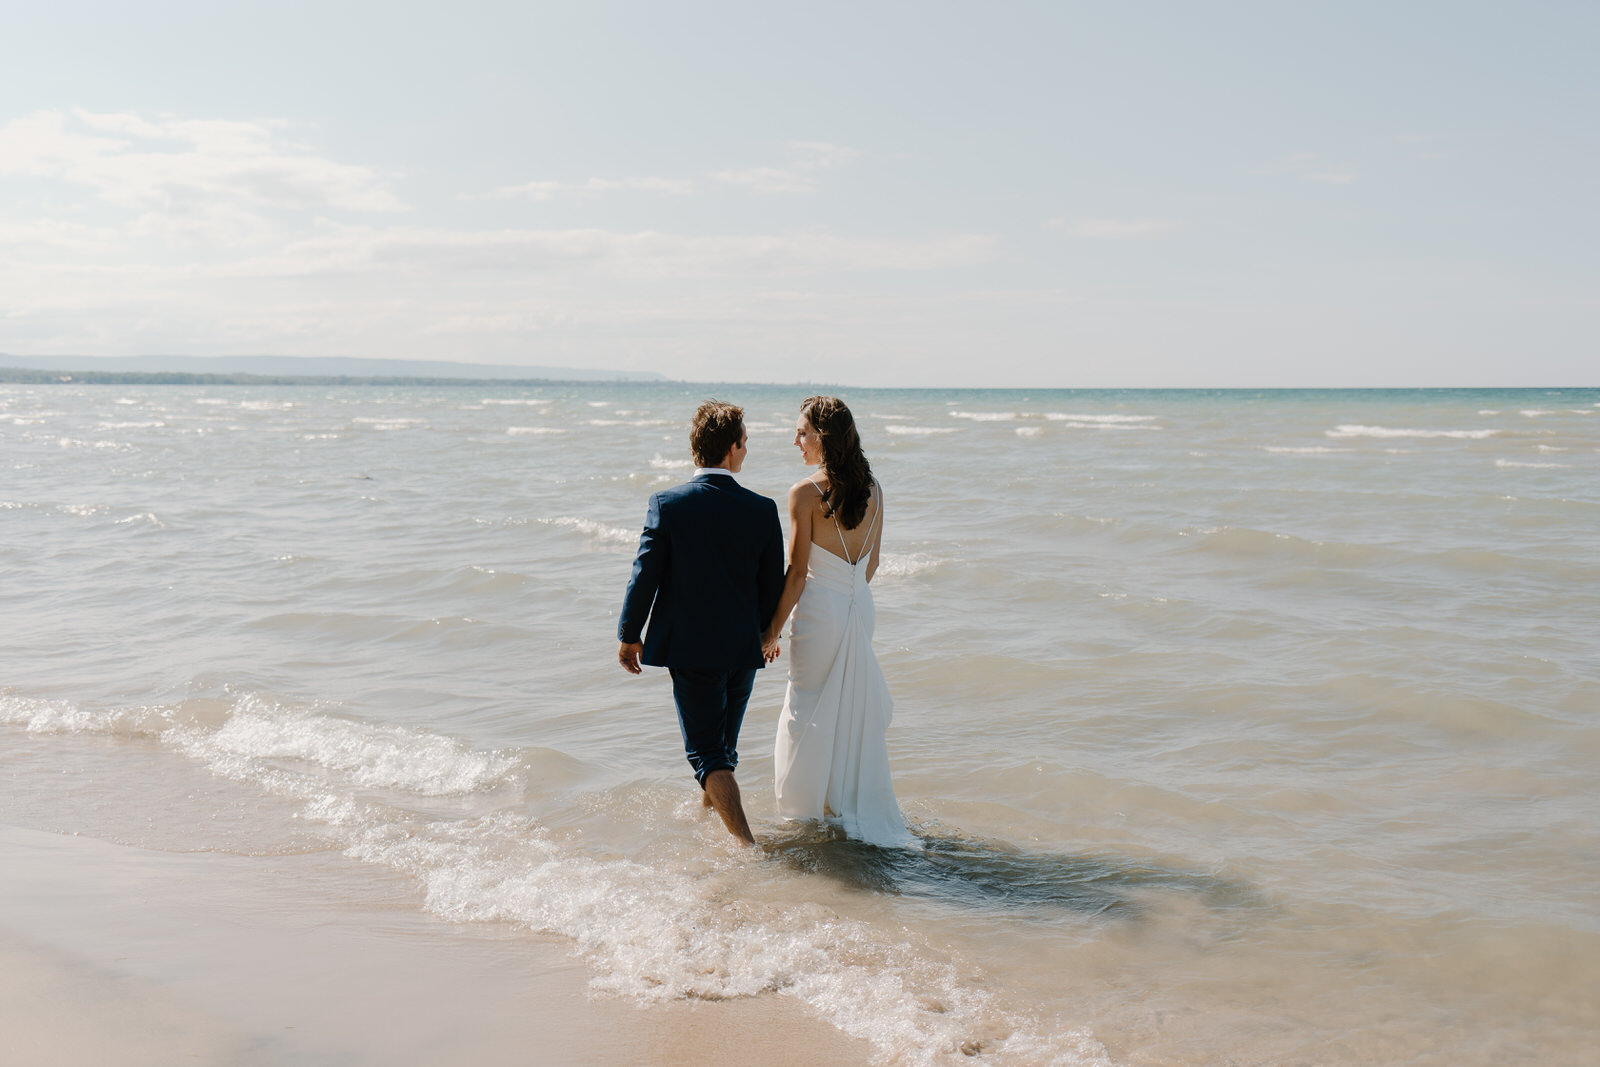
[1243, 726]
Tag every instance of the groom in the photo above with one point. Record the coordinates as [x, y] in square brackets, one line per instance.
[708, 576]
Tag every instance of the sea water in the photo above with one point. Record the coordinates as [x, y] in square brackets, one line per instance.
[1252, 727]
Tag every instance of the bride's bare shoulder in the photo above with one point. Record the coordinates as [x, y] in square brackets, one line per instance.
[804, 490]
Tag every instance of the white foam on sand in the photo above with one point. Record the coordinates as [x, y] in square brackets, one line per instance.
[653, 932]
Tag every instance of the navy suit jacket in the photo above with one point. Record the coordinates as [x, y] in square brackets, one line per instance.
[708, 576]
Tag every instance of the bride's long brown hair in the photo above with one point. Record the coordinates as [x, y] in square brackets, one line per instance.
[849, 473]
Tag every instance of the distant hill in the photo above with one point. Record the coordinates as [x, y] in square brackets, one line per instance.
[320, 367]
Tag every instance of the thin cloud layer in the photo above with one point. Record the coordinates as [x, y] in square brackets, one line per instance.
[547, 190]
[801, 174]
[138, 232]
[179, 167]
[645, 254]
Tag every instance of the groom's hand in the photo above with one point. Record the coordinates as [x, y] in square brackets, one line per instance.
[771, 649]
[628, 655]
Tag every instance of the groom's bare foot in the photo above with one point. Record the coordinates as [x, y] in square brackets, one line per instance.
[723, 794]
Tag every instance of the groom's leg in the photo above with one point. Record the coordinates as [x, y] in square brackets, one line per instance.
[720, 788]
[737, 698]
[740, 684]
[707, 700]
[724, 794]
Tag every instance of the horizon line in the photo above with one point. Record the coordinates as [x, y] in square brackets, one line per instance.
[41, 376]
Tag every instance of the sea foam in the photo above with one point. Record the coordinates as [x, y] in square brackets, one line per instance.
[1385, 431]
[651, 932]
[606, 535]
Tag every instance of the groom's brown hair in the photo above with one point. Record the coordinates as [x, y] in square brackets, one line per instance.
[717, 427]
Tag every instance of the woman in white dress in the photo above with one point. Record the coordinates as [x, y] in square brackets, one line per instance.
[832, 759]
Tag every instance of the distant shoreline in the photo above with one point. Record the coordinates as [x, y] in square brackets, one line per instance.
[25, 376]
[31, 376]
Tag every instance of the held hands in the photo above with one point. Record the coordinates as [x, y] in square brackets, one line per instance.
[628, 654]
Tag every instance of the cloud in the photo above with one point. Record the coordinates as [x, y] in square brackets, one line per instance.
[54, 235]
[1112, 229]
[539, 191]
[646, 254]
[215, 236]
[176, 168]
[807, 159]
[767, 180]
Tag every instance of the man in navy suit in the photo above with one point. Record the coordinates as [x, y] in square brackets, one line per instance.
[707, 576]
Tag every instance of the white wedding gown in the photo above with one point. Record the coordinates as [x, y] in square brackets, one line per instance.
[831, 756]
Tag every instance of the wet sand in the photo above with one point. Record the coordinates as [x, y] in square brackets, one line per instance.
[111, 953]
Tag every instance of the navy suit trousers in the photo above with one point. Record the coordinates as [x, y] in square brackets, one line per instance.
[711, 707]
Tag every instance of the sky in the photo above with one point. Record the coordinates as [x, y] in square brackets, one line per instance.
[1063, 194]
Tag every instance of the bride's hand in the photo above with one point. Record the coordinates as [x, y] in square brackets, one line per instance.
[770, 648]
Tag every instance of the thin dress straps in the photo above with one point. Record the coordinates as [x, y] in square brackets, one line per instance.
[866, 545]
[842, 543]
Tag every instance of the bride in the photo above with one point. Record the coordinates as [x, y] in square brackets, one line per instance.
[831, 757]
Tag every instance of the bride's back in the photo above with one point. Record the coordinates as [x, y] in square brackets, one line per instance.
[829, 533]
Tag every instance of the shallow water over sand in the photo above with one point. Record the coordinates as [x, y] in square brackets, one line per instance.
[1241, 727]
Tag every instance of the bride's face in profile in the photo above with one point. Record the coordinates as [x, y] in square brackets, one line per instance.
[808, 441]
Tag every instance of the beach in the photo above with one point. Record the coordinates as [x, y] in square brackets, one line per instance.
[113, 954]
[1238, 727]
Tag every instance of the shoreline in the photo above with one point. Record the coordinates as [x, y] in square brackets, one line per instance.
[112, 953]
